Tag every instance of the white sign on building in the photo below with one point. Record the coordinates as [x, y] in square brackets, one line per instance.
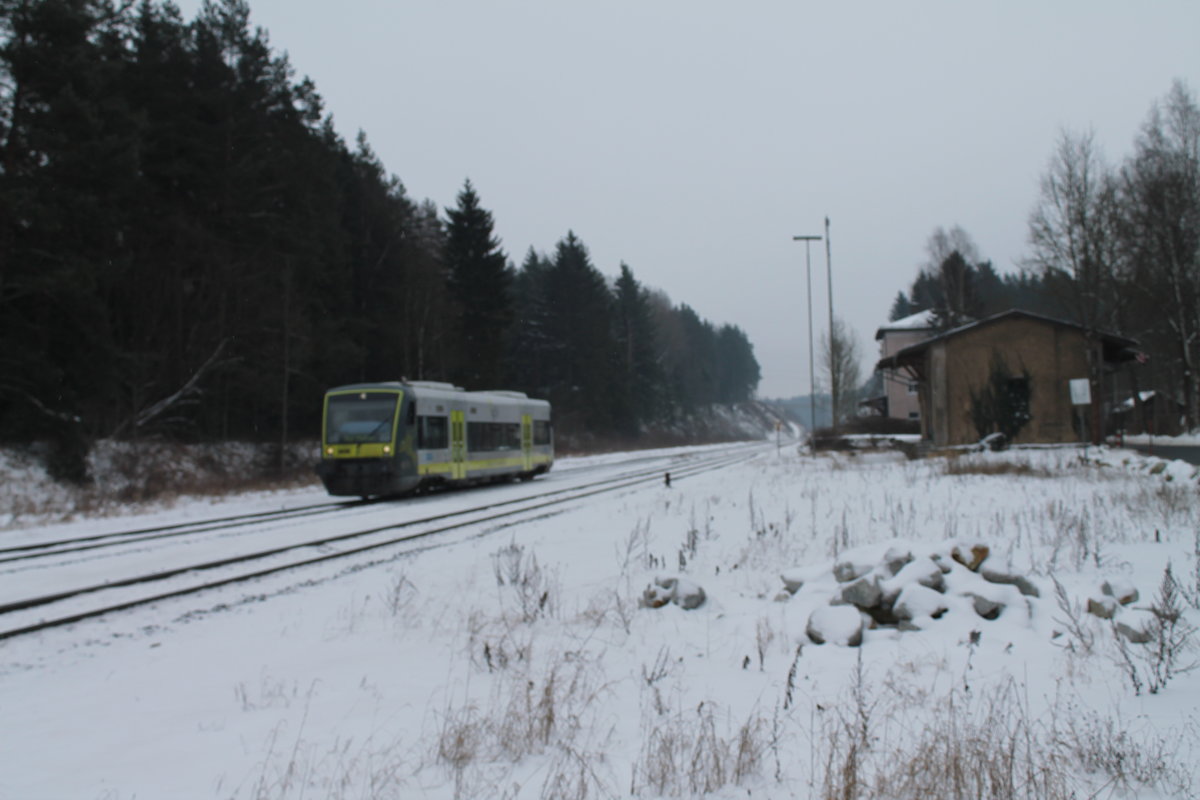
[1081, 392]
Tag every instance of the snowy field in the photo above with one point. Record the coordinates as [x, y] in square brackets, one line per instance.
[528, 662]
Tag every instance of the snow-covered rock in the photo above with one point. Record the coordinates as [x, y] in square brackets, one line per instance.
[841, 625]
[923, 571]
[851, 569]
[1120, 589]
[986, 607]
[1023, 584]
[793, 580]
[672, 589]
[970, 555]
[896, 558]
[1137, 625]
[917, 603]
[863, 593]
[1110, 597]
[1102, 606]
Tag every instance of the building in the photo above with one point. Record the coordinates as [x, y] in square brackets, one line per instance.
[1038, 357]
[900, 399]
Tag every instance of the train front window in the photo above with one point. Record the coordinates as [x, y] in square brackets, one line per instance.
[360, 417]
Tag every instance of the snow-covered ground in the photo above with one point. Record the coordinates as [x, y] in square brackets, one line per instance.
[524, 663]
[1183, 440]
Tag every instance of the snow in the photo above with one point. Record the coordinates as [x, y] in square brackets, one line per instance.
[1129, 403]
[1183, 440]
[922, 320]
[432, 674]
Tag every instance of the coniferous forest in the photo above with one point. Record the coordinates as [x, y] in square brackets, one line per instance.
[189, 250]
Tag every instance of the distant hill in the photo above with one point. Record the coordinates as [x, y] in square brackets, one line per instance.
[800, 409]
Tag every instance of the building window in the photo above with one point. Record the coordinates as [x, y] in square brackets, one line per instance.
[912, 387]
[914, 415]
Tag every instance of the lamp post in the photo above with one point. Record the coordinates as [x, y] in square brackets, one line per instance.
[835, 378]
[812, 383]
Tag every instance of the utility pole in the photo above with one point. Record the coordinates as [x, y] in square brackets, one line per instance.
[835, 390]
[812, 382]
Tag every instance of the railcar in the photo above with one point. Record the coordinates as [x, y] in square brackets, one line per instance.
[396, 437]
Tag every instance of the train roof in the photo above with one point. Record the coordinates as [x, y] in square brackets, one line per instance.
[446, 391]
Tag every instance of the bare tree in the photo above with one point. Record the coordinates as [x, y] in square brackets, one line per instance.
[1160, 195]
[840, 357]
[1073, 235]
[943, 242]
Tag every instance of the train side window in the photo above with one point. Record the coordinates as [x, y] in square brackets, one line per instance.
[433, 433]
[412, 412]
[493, 436]
[481, 436]
[541, 432]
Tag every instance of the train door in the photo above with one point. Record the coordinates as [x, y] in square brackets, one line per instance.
[527, 442]
[458, 446]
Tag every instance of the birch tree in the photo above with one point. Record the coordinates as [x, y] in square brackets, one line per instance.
[1074, 243]
[840, 354]
[1160, 194]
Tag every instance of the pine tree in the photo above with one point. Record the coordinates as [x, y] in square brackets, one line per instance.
[958, 302]
[580, 361]
[530, 346]
[738, 371]
[480, 283]
[639, 379]
[66, 170]
[901, 307]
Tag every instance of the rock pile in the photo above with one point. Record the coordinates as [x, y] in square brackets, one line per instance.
[906, 591]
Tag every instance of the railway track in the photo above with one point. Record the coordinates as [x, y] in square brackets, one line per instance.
[34, 551]
[100, 541]
[38, 613]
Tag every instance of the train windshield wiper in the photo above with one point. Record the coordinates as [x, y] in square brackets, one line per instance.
[370, 437]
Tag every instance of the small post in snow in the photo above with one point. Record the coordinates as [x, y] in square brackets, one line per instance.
[667, 479]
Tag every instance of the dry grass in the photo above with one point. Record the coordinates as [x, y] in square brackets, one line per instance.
[125, 474]
[987, 745]
[526, 714]
[688, 755]
[528, 591]
[1129, 761]
[964, 465]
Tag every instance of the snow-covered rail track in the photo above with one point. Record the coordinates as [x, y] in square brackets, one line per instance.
[32, 551]
[100, 541]
[37, 613]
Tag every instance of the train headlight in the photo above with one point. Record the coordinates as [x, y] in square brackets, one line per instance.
[328, 451]
[387, 449]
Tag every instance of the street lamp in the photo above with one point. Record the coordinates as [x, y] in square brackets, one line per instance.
[812, 383]
[835, 378]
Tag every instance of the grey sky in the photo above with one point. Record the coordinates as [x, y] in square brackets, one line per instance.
[692, 140]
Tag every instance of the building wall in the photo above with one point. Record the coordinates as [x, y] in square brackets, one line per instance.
[1052, 354]
[902, 403]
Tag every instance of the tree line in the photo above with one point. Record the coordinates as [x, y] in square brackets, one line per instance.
[189, 249]
[1114, 248]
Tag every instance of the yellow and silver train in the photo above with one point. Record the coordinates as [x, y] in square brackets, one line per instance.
[391, 438]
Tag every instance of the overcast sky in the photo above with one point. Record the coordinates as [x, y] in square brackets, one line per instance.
[692, 140]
